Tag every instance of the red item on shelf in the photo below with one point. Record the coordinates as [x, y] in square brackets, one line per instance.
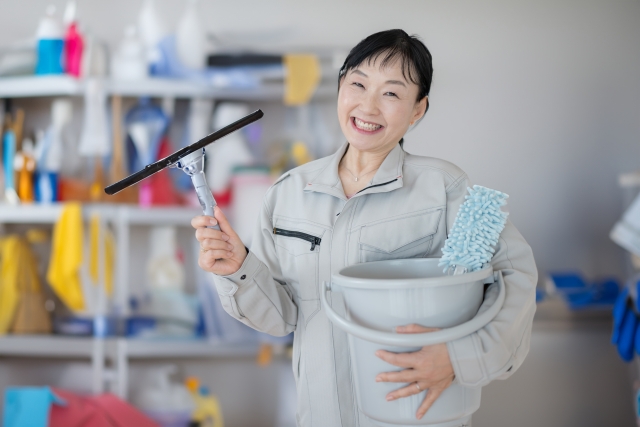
[104, 410]
[73, 47]
[160, 185]
[223, 199]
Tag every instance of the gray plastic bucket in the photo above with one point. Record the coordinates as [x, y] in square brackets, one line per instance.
[378, 296]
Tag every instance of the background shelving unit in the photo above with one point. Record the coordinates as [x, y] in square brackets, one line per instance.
[110, 356]
[44, 86]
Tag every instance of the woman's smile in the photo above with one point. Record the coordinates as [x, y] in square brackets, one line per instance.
[366, 128]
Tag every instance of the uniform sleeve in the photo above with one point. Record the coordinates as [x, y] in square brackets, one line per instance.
[497, 350]
[257, 294]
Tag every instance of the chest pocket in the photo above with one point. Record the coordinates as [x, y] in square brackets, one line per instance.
[298, 248]
[398, 238]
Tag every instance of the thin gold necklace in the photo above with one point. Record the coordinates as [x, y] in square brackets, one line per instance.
[358, 177]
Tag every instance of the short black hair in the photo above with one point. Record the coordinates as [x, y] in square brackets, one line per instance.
[393, 45]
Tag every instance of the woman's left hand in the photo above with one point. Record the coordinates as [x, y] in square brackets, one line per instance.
[428, 368]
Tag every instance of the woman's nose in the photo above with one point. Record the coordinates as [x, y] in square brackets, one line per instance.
[369, 104]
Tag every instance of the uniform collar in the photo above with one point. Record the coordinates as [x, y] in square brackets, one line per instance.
[388, 177]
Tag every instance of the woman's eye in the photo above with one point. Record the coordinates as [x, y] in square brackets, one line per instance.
[357, 84]
[391, 94]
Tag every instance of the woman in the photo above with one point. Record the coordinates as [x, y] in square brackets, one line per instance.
[369, 201]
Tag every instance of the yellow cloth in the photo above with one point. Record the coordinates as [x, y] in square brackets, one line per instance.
[18, 274]
[109, 248]
[66, 257]
[301, 79]
[8, 281]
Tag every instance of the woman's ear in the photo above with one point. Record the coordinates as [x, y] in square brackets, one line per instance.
[420, 109]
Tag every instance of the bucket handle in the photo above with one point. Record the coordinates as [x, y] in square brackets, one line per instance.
[415, 340]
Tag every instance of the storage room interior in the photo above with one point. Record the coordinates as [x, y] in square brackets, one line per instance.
[539, 100]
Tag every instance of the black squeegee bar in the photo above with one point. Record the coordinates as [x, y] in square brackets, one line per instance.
[175, 157]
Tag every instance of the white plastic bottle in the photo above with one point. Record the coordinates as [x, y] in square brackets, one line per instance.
[191, 38]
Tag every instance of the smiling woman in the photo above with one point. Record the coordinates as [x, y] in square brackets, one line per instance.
[383, 89]
[369, 201]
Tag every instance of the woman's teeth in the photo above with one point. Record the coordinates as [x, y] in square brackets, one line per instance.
[366, 126]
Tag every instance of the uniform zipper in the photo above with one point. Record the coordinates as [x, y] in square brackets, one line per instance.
[377, 185]
[304, 236]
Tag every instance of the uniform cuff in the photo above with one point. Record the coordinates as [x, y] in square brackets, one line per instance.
[229, 285]
[466, 361]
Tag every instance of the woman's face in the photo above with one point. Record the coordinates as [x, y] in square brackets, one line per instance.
[376, 106]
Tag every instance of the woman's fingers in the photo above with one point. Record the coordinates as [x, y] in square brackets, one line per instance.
[414, 329]
[203, 221]
[225, 227]
[406, 391]
[404, 376]
[214, 244]
[402, 360]
[210, 233]
[432, 395]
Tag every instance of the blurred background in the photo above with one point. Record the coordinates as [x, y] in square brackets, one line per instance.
[99, 295]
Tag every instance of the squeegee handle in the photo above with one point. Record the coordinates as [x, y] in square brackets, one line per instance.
[207, 202]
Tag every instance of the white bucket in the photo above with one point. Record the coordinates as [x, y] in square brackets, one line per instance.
[381, 295]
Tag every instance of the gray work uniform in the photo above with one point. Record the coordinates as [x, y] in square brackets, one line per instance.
[308, 229]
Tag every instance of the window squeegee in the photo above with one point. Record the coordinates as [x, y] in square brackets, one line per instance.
[190, 160]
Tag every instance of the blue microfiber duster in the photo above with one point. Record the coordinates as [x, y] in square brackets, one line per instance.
[475, 231]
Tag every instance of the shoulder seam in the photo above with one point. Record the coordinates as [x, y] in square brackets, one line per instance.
[455, 183]
[431, 167]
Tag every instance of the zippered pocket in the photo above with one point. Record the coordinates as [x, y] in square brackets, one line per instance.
[315, 241]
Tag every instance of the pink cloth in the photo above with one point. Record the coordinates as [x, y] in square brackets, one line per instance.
[105, 410]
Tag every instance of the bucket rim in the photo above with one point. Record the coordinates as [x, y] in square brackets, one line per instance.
[418, 282]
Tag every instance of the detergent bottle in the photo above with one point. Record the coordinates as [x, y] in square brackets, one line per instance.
[207, 411]
[50, 44]
[73, 42]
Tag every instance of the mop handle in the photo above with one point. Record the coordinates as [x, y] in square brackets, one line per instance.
[207, 202]
[415, 340]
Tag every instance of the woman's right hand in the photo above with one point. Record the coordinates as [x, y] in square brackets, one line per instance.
[221, 251]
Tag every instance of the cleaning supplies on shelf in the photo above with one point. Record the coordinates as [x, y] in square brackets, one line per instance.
[22, 302]
[129, 61]
[228, 153]
[50, 44]
[626, 319]
[207, 412]
[164, 267]
[152, 30]
[73, 41]
[168, 403]
[9, 153]
[49, 151]
[29, 406]
[302, 76]
[581, 295]
[146, 125]
[249, 184]
[25, 165]
[191, 37]
[66, 257]
[95, 410]
[475, 231]
[626, 231]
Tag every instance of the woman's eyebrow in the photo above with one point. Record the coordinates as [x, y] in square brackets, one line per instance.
[396, 82]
